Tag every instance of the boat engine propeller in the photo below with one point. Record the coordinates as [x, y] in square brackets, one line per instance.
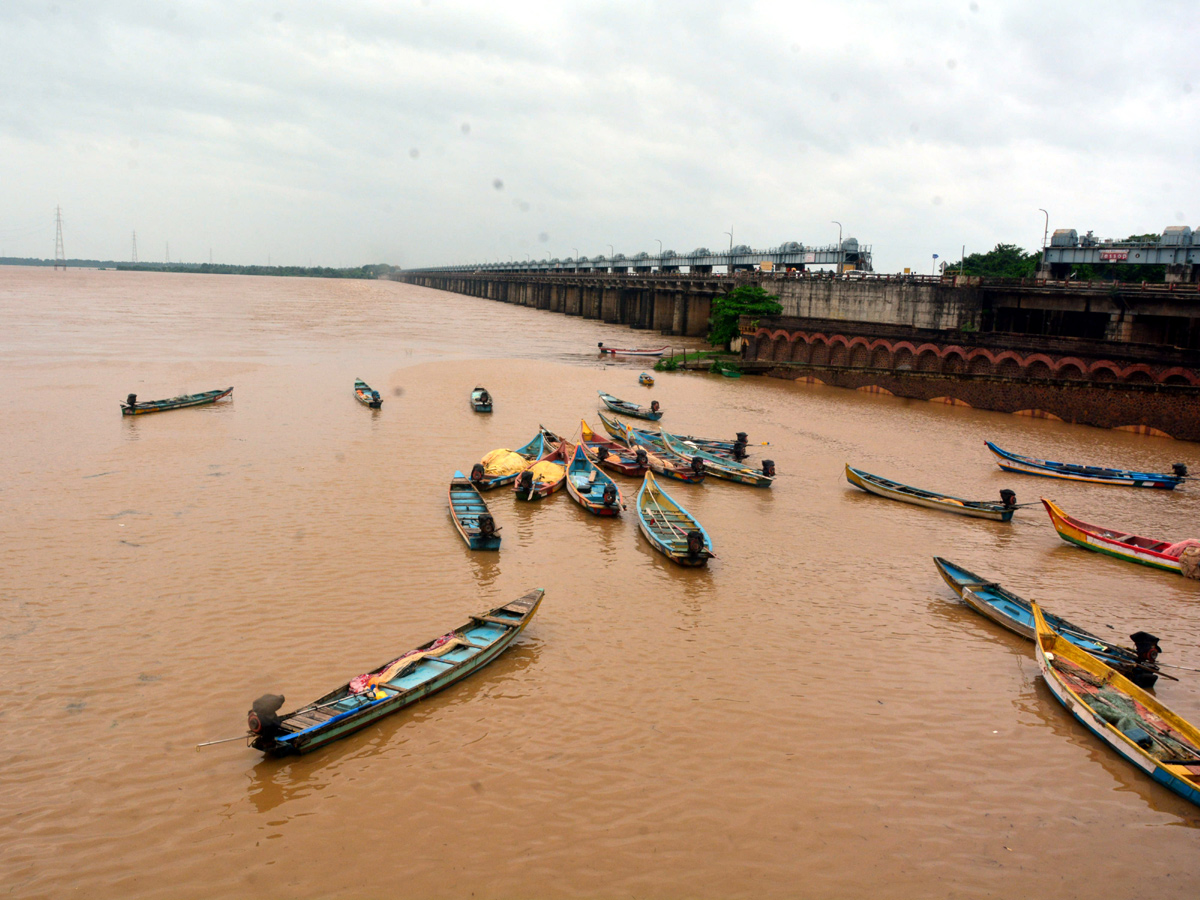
[695, 543]
[610, 494]
[698, 465]
[739, 450]
[1178, 468]
[654, 406]
[1008, 498]
[602, 453]
[262, 719]
[525, 484]
[485, 398]
[1147, 647]
[642, 459]
[487, 525]
[132, 401]
[477, 473]
[768, 468]
[742, 437]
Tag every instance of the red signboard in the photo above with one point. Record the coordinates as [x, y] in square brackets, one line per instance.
[1114, 254]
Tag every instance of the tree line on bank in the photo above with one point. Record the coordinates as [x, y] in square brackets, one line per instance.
[370, 271]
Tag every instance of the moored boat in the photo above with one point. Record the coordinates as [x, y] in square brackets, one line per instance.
[1016, 614]
[366, 395]
[1131, 721]
[541, 478]
[502, 466]
[671, 529]
[133, 407]
[652, 412]
[612, 455]
[1028, 465]
[391, 687]
[646, 379]
[481, 400]
[719, 466]
[1182, 556]
[471, 516]
[659, 459]
[617, 351]
[590, 487]
[894, 490]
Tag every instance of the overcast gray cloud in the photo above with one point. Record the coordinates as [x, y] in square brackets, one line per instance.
[434, 132]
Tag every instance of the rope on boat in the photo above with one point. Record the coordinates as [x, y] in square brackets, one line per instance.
[666, 519]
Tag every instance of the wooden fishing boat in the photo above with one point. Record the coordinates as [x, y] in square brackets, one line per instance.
[365, 395]
[625, 408]
[487, 480]
[397, 684]
[133, 407]
[894, 490]
[659, 460]
[612, 455]
[471, 516]
[542, 478]
[646, 379]
[481, 400]
[720, 466]
[735, 449]
[590, 487]
[1012, 462]
[1016, 614]
[1165, 555]
[616, 351]
[730, 373]
[1131, 721]
[671, 529]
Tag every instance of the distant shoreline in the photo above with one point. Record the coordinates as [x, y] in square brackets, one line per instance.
[372, 271]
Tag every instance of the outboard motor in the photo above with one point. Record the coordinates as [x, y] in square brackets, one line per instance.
[739, 450]
[654, 406]
[610, 493]
[485, 398]
[600, 344]
[375, 396]
[768, 468]
[477, 473]
[525, 484]
[1008, 498]
[741, 436]
[602, 453]
[487, 525]
[642, 459]
[697, 465]
[132, 401]
[695, 543]
[1178, 468]
[262, 719]
[1147, 647]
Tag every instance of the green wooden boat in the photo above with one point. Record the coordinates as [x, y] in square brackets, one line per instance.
[133, 407]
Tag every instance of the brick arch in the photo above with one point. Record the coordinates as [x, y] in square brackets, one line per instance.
[1177, 375]
[980, 362]
[1138, 374]
[1007, 364]
[1071, 367]
[881, 355]
[820, 351]
[839, 351]
[929, 347]
[781, 348]
[801, 350]
[903, 356]
[928, 360]
[1038, 368]
[954, 361]
[860, 354]
[905, 345]
[1104, 371]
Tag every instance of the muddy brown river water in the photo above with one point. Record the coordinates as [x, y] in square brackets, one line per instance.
[813, 715]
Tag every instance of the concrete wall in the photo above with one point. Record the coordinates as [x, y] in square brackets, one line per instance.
[919, 305]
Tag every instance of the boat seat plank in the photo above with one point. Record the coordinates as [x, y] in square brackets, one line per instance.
[496, 621]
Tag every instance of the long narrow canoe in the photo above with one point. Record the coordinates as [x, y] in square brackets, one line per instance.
[411, 677]
[542, 477]
[487, 480]
[589, 486]
[133, 407]
[626, 408]
[481, 400]
[720, 466]
[894, 490]
[365, 395]
[1016, 614]
[616, 351]
[610, 454]
[671, 529]
[471, 516]
[659, 459]
[1132, 722]
[1013, 462]
[1157, 554]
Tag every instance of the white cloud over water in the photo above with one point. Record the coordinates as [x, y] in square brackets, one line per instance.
[343, 133]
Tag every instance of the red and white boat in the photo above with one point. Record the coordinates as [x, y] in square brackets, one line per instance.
[617, 351]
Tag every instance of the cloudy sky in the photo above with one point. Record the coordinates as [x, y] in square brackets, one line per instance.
[435, 132]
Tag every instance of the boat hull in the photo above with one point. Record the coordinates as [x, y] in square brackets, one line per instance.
[153, 406]
[626, 408]
[665, 523]
[477, 402]
[1027, 465]
[466, 506]
[893, 490]
[616, 351]
[1110, 543]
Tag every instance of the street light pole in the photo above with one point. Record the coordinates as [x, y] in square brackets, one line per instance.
[1045, 236]
[839, 253]
[659, 248]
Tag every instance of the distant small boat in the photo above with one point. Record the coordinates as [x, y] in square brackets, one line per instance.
[646, 379]
[619, 352]
[542, 478]
[131, 406]
[591, 488]
[502, 466]
[1165, 555]
[410, 677]
[481, 400]
[894, 490]
[365, 395]
[651, 412]
[471, 516]
[721, 467]
[671, 529]
[1005, 608]
[1132, 722]
[1028, 465]
[730, 373]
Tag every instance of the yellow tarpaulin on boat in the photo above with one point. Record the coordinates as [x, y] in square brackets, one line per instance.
[547, 471]
[503, 462]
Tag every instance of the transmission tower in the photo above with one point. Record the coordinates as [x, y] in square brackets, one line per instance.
[60, 255]
[168, 253]
[135, 246]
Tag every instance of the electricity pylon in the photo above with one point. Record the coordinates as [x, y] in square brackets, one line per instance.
[60, 255]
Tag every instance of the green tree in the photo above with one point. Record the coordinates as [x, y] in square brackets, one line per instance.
[1004, 261]
[744, 300]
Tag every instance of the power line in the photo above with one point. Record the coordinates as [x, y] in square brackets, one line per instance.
[60, 255]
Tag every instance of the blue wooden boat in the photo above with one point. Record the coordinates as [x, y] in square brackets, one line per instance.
[735, 449]
[671, 529]
[589, 486]
[894, 490]
[646, 379]
[1131, 721]
[411, 677]
[1016, 614]
[721, 467]
[365, 395]
[481, 400]
[625, 408]
[1028, 465]
[486, 481]
[132, 407]
[659, 459]
[471, 516]
[543, 477]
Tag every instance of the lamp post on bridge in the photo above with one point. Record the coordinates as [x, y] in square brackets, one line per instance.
[839, 247]
[1045, 236]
